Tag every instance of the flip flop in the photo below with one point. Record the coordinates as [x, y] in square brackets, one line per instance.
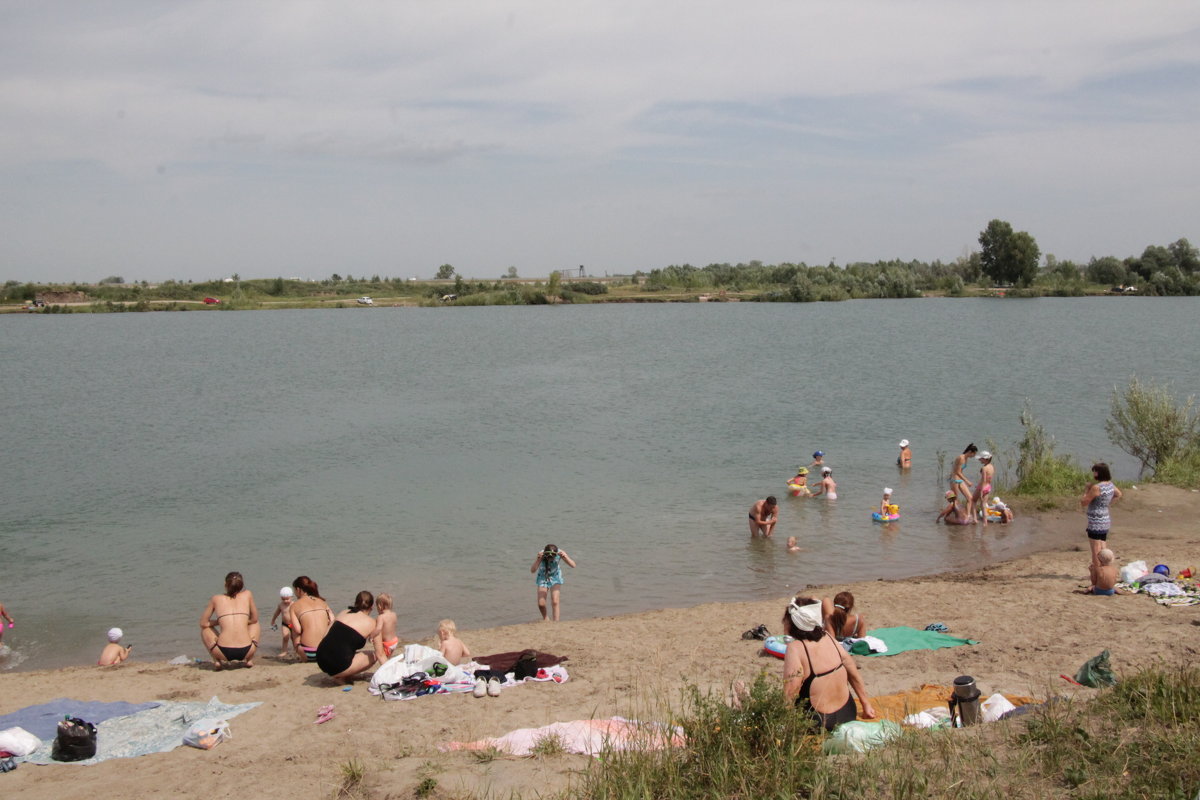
[324, 714]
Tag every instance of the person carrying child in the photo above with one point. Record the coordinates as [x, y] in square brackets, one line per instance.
[452, 647]
[548, 567]
[385, 624]
[113, 653]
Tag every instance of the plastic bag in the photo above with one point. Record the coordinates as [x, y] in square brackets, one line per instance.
[75, 740]
[19, 741]
[859, 737]
[995, 707]
[207, 733]
[1096, 672]
[1133, 570]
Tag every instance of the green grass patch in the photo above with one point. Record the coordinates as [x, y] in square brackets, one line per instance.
[1138, 739]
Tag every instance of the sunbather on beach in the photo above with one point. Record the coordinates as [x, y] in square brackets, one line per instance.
[1103, 573]
[764, 514]
[113, 652]
[953, 513]
[385, 623]
[338, 653]
[839, 619]
[229, 625]
[958, 481]
[311, 617]
[818, 674]
[452, 647]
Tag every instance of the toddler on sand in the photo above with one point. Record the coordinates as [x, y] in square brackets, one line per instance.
[385, 623]
[283, 613]
[451, 646]
[113, 653]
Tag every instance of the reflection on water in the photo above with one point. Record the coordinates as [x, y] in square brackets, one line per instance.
[431, 452]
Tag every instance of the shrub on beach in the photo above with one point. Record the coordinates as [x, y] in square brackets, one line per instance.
[1149, 424]
[1041, 471]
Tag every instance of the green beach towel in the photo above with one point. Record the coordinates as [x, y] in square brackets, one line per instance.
[903, 638]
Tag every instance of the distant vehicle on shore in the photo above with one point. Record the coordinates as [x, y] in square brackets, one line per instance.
[365, 301]
[211, 301]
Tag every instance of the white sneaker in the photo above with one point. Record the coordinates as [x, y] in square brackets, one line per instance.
[493, 687]
[481, 688]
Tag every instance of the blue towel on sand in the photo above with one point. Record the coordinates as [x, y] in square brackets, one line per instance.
[155, 730]
[42, 720]
[903, 638]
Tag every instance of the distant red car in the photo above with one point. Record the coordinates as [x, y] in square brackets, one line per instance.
[209, 301]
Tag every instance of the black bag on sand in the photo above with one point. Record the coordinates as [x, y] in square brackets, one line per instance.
[526, 666]
[75, 740]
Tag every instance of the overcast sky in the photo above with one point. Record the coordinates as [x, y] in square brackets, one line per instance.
[192, 140]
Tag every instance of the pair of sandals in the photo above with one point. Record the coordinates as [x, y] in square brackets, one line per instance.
[759, 632]
[324, 714]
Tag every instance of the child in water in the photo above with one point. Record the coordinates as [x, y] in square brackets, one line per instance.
[385, 624]
[799, 484]
[113, 653]
[885, 506]
[283, 612]
[452, 647]
[792, 547]
[548, 567]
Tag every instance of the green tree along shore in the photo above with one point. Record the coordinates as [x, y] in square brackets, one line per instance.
[1007, 264]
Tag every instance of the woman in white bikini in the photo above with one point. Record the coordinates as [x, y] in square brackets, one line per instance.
[229, 625]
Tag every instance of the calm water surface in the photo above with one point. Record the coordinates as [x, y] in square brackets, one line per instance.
[431, 452]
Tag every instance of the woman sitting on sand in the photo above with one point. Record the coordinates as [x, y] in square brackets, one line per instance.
[236, 617]
[840, 623]
[311, 617]
[817, 673]
[953, 513]
[337, 654]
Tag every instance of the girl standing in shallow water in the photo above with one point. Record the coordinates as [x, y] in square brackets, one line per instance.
[548, 568]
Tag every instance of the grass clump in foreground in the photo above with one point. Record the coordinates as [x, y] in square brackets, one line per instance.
[1136, 740]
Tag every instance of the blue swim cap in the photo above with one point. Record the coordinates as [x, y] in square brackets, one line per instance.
[818, 454]
[1162, 569]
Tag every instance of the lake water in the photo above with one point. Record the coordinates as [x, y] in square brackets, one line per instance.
[432, 452]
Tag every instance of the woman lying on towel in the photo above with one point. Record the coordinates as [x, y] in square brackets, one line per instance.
[817, 673]
[338, 653]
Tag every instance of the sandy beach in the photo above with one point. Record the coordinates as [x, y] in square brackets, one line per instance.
[1030, 627]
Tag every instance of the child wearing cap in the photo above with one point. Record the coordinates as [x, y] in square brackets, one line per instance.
[283, 612]
[986, 473]
[113, 653]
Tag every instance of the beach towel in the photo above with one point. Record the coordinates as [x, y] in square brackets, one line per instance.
[900, 705]
[504, 662]
[42, 720]
[902, 638]
[154, 730]
[585, 736]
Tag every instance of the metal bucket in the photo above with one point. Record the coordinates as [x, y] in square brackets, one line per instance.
[964, 703]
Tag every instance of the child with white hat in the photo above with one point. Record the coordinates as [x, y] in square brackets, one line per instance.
[283, 612]
[113, 653]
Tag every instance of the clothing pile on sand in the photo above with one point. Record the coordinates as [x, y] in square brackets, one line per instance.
[420, 671]
[1181, 589]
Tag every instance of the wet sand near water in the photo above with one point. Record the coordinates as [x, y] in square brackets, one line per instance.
[1030, 625]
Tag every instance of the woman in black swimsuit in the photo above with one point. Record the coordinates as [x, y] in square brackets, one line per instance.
[338, 653]
[229, 625]
[817, 673]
